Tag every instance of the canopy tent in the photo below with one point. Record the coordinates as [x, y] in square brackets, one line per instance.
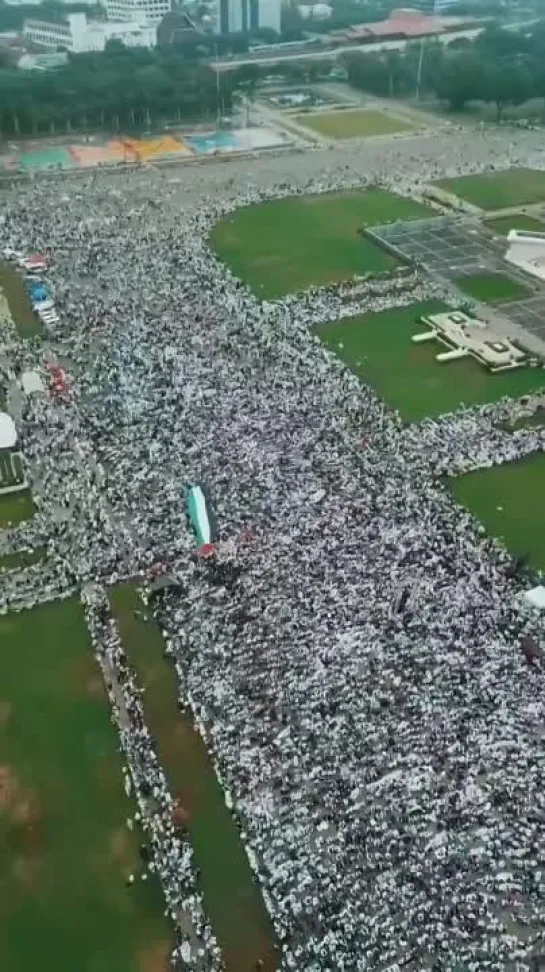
[31, 382]
[535, 597]
[8, 432]
[38, 291]
[34, 263]
[201, 515]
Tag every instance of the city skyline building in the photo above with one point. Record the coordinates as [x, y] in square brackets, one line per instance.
[138, 11]
[241, 16]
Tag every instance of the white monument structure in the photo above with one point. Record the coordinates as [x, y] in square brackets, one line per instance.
[527, 251]
[12, 478]
[465, 336]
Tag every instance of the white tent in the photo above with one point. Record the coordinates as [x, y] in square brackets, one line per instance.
[535, 597]
[8, 432]
[527, 251]
[31, 382]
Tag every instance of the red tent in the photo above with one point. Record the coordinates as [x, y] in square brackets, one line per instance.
[58, 383]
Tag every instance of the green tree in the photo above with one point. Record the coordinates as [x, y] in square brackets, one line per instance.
[461, 79]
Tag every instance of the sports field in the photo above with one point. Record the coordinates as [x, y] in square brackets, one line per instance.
[232, 900]
[378, 348]
[520, 221]
[292, 244]
[358, 123]
[508, 500]
[492, 288]
[26, 321]
[65, 848]
[499, 190]
[15, 507]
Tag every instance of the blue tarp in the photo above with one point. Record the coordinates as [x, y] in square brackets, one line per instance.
[38, 291]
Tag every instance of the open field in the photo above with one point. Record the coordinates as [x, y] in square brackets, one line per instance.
[65, 848]
[16, 507]
[26, 321]
[292, 244]
[508, 500]
[378, 348]
[520, 221]
[231, 898]
[492, 288]
[499, 190]
[358, 123]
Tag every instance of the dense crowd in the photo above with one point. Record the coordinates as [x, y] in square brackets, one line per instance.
[359, 677]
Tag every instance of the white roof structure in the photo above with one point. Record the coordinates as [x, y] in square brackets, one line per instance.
[466, 335]
[527, 251]
[535, 597]
[8, 432]
[31, 382]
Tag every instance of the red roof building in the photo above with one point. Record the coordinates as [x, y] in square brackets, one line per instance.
[404, 23]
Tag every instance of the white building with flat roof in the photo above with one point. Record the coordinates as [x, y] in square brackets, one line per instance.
[142, 11]
[77, 34]
[466, 336]
[527, 251]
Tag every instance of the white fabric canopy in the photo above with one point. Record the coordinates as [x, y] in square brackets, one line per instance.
[8, 432]
[536, 597]
[31, 382]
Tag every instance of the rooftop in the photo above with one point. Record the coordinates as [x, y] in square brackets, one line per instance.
[405, 22]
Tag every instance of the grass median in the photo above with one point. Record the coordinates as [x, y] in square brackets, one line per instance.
[65, 849]
[232, 899]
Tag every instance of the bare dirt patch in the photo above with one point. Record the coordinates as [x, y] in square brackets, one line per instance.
[5, 712]
[9, 787]
[121, 848]
[95, 687]
[155, 958]
[22, 812]
[85, 678]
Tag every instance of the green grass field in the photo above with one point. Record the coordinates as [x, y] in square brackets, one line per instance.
[292, 244]
[232, 901]
[379, 349]
[492, 288]
[508, 501]
[520, 221]
[16, 507]
[499, 190]
[65, 849]
[16, 561]
[358, 123]
[26, 321]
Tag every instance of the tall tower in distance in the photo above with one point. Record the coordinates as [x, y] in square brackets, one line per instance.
[240, 16]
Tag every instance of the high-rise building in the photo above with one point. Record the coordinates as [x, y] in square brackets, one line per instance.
[143, 11]
[240, 16]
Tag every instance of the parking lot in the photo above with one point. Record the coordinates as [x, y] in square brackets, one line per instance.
[446, 246]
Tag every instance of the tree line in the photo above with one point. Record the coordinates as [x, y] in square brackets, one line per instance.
[501, 66]
[131, 89]
[117, 90]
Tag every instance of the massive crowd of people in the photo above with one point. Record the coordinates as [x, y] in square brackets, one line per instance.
[359, 676]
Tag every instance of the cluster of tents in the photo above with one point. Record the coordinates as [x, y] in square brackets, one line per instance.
[40, 297]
